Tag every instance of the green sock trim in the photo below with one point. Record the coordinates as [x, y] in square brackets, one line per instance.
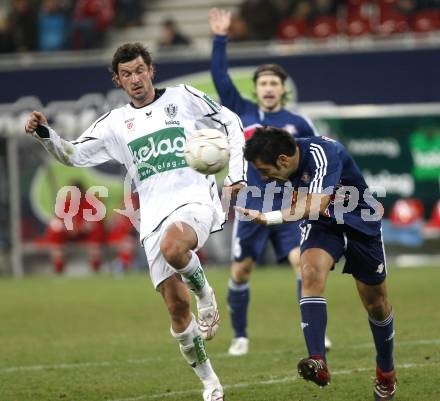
[198, 279]
[199, 345]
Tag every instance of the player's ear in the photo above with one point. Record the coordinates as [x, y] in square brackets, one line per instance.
[282, 161]
[116, 81]
[152, 72]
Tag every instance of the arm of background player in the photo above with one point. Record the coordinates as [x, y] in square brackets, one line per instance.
[228, 93]
[220, 21]
[88, 150]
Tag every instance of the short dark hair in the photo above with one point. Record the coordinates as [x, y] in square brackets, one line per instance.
[128, 52]
[273, 69]
[268, 143]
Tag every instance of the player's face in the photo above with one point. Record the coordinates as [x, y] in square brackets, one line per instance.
[280, 172]
[269, 90]
[135, 77]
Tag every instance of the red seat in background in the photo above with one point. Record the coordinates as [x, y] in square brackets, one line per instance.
[391, 20]
[324, 27]
[354, 8]
[407, 211]
[426, 21]
[434, 220]
[291, 29]
[358, 26]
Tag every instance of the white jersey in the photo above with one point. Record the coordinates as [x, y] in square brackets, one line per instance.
[150, 142]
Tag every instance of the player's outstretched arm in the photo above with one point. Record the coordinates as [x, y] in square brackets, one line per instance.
[89, 149]
[310, 206]
[220, 21]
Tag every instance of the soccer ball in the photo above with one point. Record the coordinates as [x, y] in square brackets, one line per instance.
[207, 151]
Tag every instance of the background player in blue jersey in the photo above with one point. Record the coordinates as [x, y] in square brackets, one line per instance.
[343, 218]
[249, 240]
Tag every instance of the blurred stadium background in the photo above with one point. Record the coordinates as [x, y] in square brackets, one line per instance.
[365, 71]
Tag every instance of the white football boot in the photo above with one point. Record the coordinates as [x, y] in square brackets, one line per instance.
[208, 316]
[239, 346]
[214, 393]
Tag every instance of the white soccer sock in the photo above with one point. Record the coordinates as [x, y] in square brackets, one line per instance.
[194, 277]
[193, 350]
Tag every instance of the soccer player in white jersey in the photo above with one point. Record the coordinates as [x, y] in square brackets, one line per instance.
[179, 207]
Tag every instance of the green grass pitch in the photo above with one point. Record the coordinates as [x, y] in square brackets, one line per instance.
[101, 339]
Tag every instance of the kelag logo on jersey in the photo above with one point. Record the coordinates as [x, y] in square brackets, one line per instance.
[158, 152]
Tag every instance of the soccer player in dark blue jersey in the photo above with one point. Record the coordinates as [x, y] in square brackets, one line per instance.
[342, 218]
[249, 241]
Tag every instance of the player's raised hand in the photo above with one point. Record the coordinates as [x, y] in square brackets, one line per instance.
[35, 118]
[220, 21]
[254, 215]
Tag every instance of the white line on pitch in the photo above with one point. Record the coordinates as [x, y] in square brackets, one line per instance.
[31, 368]
[268, 382]
[399, 343]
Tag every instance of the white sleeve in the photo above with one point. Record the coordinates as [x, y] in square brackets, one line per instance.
[213, 115]
[93, 147]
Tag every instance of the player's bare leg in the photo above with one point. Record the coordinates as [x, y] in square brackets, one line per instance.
[177, 248]
[315, 266]
[57, 257]
[294, 258]
[184, 329]
[238, 301]
[95, 256]
[381, 320]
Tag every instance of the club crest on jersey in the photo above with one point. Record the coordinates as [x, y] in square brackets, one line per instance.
[171, 110]
[130, 126]
[305, 178]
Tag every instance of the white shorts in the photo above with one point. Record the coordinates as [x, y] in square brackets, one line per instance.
[199, 217]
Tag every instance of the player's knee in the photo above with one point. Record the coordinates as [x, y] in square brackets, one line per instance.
[172, 251]
[312, 277]
[240, 276]
[241, 272]
[378, 308]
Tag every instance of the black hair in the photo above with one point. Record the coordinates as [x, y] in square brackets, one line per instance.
[128, 52]
[268, 143]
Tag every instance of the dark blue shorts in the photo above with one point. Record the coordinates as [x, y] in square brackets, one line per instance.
[364, 254]
[250, 240]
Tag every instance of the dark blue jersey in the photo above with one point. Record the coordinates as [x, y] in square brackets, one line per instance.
[252, 117]
[325, 166]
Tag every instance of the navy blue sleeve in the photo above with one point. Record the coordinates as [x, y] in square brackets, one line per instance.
[326, 168]
[305, 129]
[229, 95]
